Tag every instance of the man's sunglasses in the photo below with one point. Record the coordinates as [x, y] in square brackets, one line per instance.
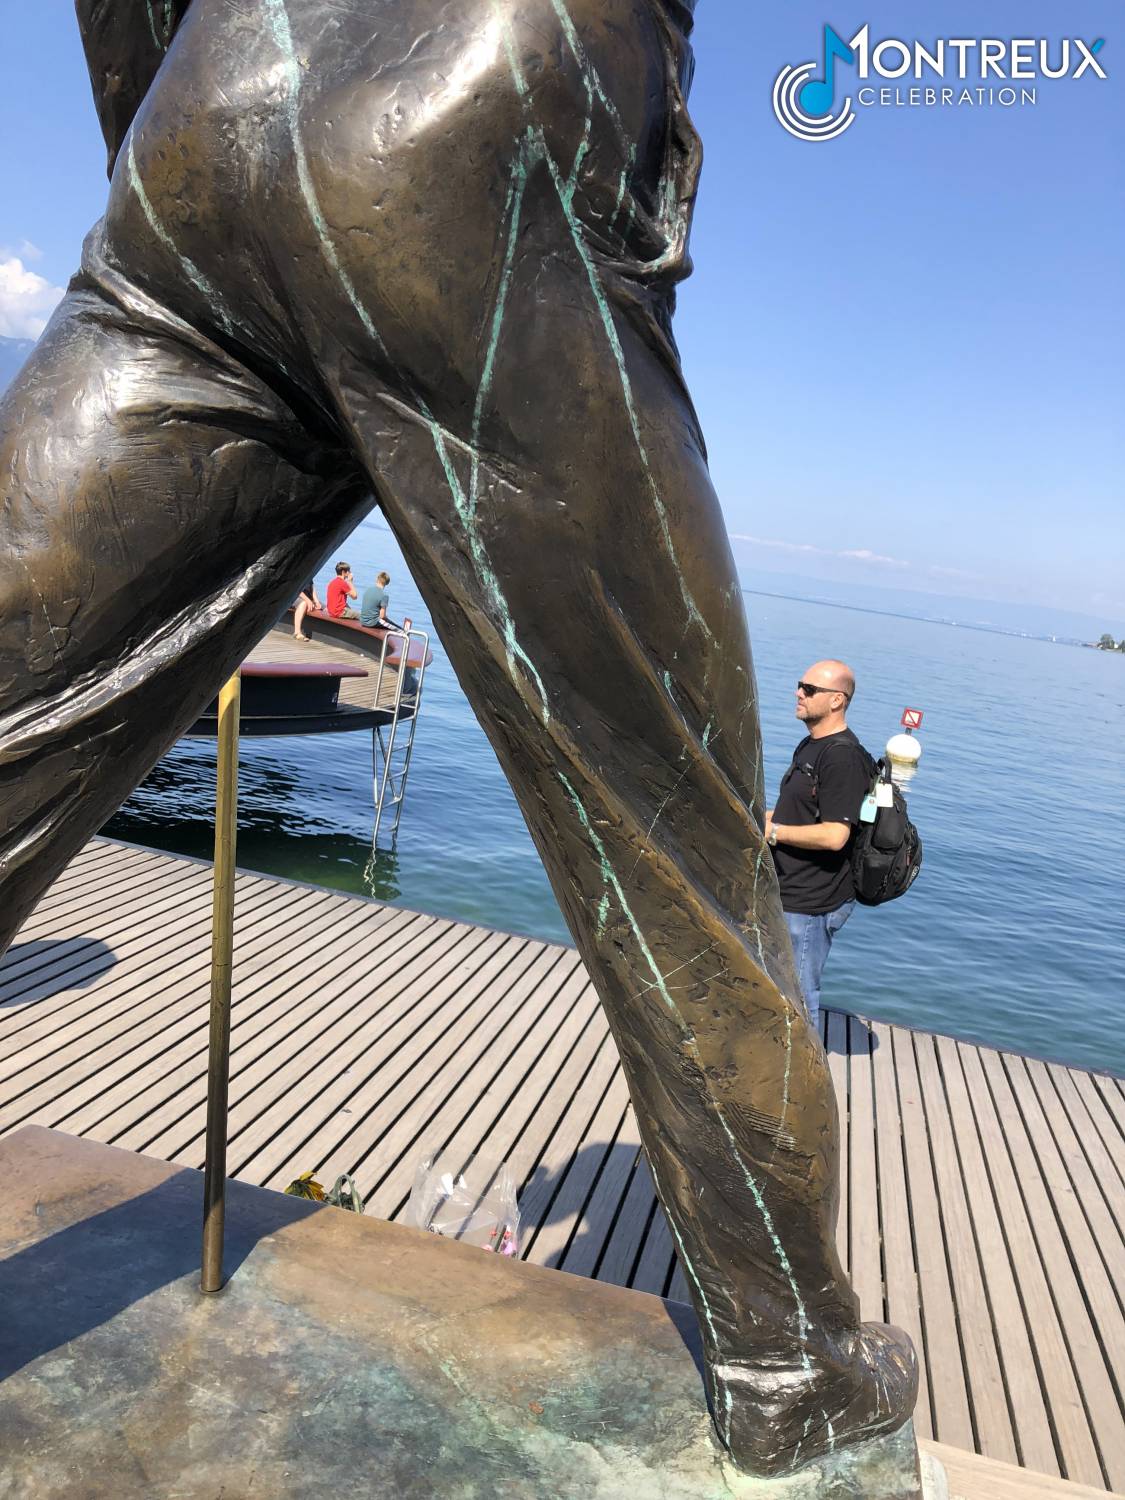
[809, 688]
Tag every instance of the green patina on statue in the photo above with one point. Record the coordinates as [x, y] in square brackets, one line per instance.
[428, 252]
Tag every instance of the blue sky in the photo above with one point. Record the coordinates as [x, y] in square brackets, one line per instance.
[906, 344]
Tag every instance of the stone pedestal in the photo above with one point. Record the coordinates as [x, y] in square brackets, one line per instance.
[345, 1357]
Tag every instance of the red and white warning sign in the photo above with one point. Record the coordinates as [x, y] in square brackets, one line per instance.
[911, 718]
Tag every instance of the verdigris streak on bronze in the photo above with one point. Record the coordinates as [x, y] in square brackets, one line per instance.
[428, 250]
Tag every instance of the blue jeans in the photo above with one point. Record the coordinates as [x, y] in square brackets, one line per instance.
[811, 937]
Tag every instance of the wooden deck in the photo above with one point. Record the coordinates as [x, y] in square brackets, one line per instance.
[355, 692]
[984, 1193]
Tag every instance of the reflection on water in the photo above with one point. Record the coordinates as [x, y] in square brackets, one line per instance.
[1009, 935]
[380, 875]
[174, 809]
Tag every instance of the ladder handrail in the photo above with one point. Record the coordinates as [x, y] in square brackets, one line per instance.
[380, 784]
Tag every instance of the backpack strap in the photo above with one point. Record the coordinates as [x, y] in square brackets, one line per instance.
[872, 767]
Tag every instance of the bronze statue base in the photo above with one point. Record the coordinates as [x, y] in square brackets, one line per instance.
[344, 1356]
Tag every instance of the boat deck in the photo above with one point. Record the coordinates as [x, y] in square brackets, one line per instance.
[355, 692]
[984, 1193]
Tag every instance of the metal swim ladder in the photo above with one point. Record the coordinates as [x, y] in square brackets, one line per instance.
[388, 775]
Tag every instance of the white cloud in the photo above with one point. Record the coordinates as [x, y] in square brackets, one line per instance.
[857, 554]
[26, 298]
[864, 554]
[761, 541]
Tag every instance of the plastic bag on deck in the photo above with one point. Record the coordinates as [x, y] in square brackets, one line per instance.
[470, 1199]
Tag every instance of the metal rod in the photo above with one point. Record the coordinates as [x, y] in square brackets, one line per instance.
[222, 961]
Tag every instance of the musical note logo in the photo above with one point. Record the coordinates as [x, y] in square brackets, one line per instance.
[803, 103]
[818, 96]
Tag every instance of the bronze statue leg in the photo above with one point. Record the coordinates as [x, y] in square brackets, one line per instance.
[490, 300]
[159, 502]
[575, 561]
[450, 237]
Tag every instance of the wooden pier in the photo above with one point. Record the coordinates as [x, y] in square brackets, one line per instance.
[984, 1193]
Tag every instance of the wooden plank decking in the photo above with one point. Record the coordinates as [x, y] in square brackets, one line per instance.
[983, 1203]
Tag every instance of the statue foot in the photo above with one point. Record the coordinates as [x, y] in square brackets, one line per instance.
[776, 1416]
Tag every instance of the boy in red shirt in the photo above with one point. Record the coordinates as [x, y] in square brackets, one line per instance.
[340, 590]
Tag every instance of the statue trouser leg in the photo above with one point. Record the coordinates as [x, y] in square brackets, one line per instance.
[580, 579]
[158, 505]
[545, 476]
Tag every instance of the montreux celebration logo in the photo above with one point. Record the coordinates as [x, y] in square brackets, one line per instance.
[948, 73]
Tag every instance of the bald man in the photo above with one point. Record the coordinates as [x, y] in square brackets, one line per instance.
[811, 827]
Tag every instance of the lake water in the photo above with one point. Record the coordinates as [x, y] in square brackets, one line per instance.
[1011, 935]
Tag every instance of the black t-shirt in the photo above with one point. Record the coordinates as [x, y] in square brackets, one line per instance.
[825, 783]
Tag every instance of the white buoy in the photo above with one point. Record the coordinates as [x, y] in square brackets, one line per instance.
[903, 750]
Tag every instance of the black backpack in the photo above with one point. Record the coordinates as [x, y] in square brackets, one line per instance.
[886, 854]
